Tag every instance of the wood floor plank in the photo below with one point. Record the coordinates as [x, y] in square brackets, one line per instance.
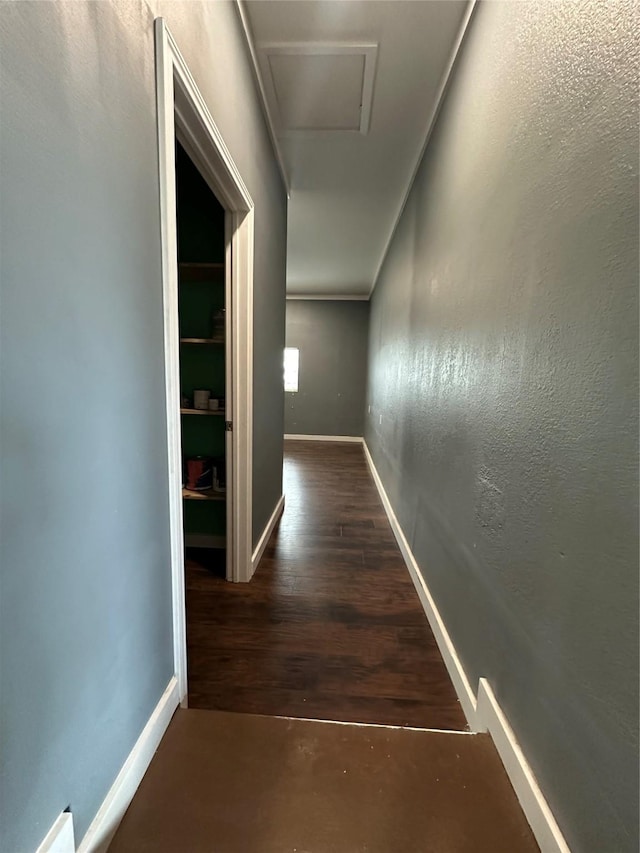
[331, 626]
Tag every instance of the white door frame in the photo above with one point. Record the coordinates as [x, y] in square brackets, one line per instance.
[182, 111]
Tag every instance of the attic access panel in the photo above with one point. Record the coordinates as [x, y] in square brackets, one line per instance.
[319, 88]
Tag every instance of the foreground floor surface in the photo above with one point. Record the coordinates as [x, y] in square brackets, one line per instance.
[331, 626]
[236, 783]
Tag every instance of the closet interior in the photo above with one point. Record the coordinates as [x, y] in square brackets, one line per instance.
[202, 321]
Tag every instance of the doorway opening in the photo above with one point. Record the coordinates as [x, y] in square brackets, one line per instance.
[203, 333]
[186, 126]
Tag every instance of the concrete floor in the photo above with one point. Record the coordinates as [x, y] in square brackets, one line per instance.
[239, 783]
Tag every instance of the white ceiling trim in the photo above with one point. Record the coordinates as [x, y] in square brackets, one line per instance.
[248, 34]
[432, 120]
[324, 297]
[369, 51]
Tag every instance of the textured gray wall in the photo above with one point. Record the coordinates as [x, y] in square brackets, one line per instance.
[86, 636]
[503, 363]
[332, 337]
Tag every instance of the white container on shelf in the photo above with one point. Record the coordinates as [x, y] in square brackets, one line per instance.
[201, 399]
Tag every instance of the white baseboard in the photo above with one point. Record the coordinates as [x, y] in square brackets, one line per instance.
[342, 438]
[266, 534]
[491, 718]
[105, 823]
[60, 838]
[484, 713]
[445, 644]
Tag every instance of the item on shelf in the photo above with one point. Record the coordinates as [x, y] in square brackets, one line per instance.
[184, 402]
[219, 474]
[201, 399]
[218, 323]
[214, 404]
[199, 470]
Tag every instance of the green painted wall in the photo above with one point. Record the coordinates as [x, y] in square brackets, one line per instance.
[200, 240]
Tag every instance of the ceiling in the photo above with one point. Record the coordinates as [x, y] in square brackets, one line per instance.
[350, 88]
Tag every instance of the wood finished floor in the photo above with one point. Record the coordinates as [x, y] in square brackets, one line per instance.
[330, 627]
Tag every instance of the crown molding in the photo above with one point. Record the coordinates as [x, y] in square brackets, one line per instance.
[328, 297]
[442, 89]
[248, 35]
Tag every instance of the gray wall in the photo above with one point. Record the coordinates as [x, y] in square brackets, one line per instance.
[503, 362]
[332, 338]
[86, 638]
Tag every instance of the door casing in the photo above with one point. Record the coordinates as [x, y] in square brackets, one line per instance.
[183, 114]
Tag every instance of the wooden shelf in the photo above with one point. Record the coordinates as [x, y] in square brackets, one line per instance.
[204, 540]
[200, 272]
[209, 495]
[202, 340]
[200, 265]
[215, 412]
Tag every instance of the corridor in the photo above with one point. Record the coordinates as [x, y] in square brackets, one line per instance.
[331, 626]
[430, 241]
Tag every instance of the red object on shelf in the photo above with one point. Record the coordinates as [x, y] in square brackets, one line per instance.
[199, 473]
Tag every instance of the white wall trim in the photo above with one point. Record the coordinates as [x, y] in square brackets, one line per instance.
[104, 825]
[266, 533]
[240, 486]
[342, 438]
[248, 35]
[166, 158]
[182, 111]
[491, 718]
[328, 297]
[60, 838]
[442, 89]
[484, 713]
[445, 644]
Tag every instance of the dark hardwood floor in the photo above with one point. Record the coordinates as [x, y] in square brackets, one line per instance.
[330, 627]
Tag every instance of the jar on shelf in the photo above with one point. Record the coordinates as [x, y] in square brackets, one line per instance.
[218, 323]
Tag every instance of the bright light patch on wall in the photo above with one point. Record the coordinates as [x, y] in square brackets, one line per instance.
[291, 365]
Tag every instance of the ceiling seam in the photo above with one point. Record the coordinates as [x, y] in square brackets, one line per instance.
[248, 35]
[442, 89]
